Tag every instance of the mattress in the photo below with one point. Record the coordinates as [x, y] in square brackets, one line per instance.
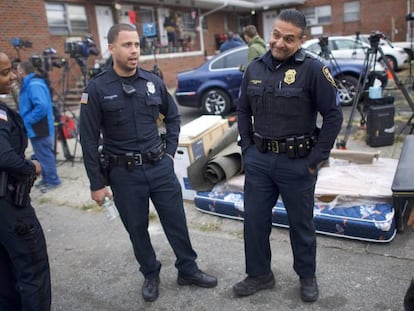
[366, 221]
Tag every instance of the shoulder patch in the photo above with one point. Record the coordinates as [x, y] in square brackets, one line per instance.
[84, 98]
[3, 115]
[328, 76]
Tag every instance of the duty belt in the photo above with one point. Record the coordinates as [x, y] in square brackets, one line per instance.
[276, 146]
[295, 147]
[128, 160]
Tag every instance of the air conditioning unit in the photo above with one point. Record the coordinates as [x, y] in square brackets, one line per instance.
[311, 21]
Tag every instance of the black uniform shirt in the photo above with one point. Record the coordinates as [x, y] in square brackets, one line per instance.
[128, 122]
[13, 143]
[284, 100]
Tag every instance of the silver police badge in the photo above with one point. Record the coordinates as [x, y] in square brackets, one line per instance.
[150, 87]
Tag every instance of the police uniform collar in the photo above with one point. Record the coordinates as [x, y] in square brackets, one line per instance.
[113, 76]
[300, 55]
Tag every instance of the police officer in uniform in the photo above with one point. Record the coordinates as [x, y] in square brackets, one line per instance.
[24, 265]
[282, 92]
[123, 103]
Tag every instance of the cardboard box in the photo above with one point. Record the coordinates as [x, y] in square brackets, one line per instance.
[196, 140]
[201, 134]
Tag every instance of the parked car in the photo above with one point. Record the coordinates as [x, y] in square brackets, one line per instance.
[396, 55]
[408, 47]
[349, 47]
[214, 86]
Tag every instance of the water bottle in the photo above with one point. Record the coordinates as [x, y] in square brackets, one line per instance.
[110, 209]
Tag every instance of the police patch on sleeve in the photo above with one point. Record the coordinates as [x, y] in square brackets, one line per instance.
[3, 115]
[328, 76]
[84, 98]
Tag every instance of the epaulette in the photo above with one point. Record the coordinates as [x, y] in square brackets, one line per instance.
[102, 72]
[300, 55]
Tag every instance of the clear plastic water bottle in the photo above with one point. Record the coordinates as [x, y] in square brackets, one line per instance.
[110, 209]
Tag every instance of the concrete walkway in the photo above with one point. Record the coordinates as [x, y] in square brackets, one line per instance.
[93, 267]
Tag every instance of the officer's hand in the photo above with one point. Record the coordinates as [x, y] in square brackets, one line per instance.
[410, 221]
[37, 166]
[311, 170]
[99, 195]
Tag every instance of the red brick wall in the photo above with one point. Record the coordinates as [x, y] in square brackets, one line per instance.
[27, 19]
[374, 15]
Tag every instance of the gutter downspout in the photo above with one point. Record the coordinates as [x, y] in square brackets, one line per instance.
[200, 23]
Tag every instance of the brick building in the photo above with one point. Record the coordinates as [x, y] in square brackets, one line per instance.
[200, 25]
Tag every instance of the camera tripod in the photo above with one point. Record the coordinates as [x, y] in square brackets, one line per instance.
[364, 78]
[346, 89]
[67, 126]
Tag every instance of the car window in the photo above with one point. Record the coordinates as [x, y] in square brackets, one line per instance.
[231, 60]
[347, 45]
[314, 48]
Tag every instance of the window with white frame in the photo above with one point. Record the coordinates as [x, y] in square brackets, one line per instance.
[351, 11]
[319, 15]
[66, 19]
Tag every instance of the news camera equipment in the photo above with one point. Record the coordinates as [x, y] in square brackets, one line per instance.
[366, 77]
[345, 87]
[80, 50]
[48, 59]
[19, 44]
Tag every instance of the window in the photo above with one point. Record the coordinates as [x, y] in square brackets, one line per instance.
[232, 60]
[319, 15]
[351, 11]
[66, 19]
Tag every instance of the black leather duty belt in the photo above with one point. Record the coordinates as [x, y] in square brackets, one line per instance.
[136, 159]
[295, 147]
[276, 146]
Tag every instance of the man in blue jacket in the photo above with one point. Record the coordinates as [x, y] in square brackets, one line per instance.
[35, 107]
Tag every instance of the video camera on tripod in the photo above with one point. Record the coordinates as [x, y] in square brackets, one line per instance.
[47, 60]
[323, 43]
[374, 39]
[81, 48]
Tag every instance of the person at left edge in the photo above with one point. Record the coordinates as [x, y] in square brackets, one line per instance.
[24, 265]
[123, 103]
[36, 109]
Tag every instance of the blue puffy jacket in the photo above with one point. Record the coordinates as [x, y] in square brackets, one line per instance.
[35, 107]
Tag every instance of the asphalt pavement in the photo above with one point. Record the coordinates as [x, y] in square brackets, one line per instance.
[94, 269]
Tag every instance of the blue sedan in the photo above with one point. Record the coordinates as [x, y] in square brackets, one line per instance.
[214, 86]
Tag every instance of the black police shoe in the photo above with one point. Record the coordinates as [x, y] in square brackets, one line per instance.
[199, 279]
[250, 285]
[150, 288]
[309, 289]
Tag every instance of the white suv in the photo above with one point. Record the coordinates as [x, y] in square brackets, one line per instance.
[349, 47]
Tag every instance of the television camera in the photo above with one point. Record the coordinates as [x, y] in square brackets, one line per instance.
[81, 48]
[47, 60]
[20, 43]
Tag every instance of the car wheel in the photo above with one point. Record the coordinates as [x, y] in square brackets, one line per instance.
[392, 61]
[347, 86]
[215, 101]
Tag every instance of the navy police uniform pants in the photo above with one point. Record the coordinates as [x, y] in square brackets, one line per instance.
[24, 266]
[132, 190]
[266, 176]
